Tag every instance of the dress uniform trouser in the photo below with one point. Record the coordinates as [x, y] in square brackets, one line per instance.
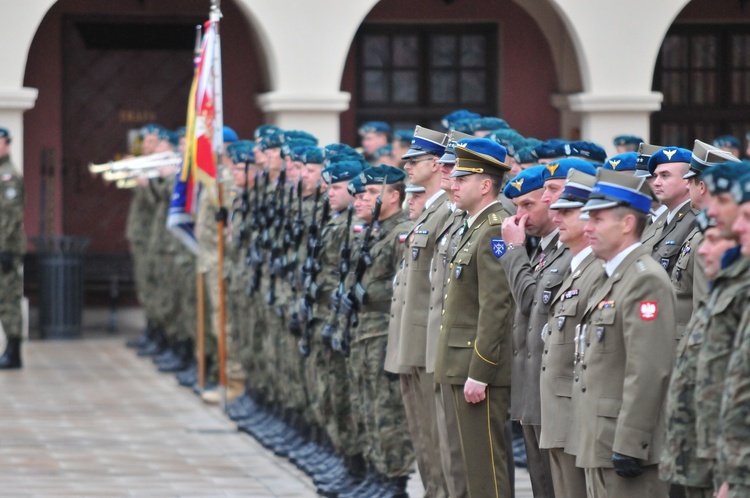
[605, 483]
[417, 392]
[567, 479]
[538, 459]
[482, 429]
[450, 442]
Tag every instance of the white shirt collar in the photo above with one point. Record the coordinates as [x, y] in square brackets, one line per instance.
[673, 212]
[547, 239]
[578, 258]
[662, 208]
[434, 198]
[611, 265]
[474, 218]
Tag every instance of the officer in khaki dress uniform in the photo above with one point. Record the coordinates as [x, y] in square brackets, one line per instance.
[474, 347]
[417, 387]
[655, 223]
[12, 245]
[582, 276]
[625, 347]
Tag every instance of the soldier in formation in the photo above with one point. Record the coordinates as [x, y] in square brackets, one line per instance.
[581, 295]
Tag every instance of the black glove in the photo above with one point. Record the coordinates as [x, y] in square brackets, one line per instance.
[221, 214]
[6, 261]
[626, 466]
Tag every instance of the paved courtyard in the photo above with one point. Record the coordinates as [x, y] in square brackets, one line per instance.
[88, 418]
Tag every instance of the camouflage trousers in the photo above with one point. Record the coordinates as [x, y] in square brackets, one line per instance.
[173, 303]
[11, 292]
[377, 398]
[233, 366]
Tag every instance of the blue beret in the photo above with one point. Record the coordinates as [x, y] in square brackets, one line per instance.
[703, 221]
[272, 140]
[463, 125]
[479, 155]
[299, 135]
[265, 130]
[355, 186]
[168, 136]
[668, 155]
[229, 135]
[455, 116]
[376, 175]
[404, 136]
[551, 148]
[312, 155]
[525, 155]
[345, 157]
[241, 151]
[588, 150]
[719, 178]
[4, 133]
[613, 189]
[508, 138]
[385, 150]
[621, 162]
[293, 148]
[741, 189]
[627, 140]
[181, 132]
[331, 150]
[489, 123]
[558, 170]
[726, 141]
[150, 129]
[526, 181]
[561, 148]
[374, 127]
[343, 171]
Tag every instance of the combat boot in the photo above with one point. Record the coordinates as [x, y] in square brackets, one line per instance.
[11, 358]
[189, 376]
[356, 473]
[394, 487]
[181, 359]
[142, 339]
[156, 346]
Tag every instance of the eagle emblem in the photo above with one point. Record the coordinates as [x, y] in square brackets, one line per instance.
[648, 310]
[552, 167]
[517, 184]
[669, 153]
[615, 163]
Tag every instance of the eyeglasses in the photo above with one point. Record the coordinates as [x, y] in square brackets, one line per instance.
[413, 162]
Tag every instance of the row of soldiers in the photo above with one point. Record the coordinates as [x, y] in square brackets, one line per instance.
[365, 339]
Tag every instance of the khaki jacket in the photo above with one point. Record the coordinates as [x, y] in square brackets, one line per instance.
[417, 258]
[629, 350]
[475, 331]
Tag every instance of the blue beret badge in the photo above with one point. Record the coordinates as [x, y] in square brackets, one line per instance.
[498, 247]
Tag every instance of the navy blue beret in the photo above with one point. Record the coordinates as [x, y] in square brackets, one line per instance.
[355, 186]
[668, 155]
[264, 130]
[719, 178]
[293, 135]
[627, 140]
[271, 141]
[455, 116]
[376, 175]
[374, 127]
[488, 123]
[342, 171]
[741, 189]
[621, 162]
[385, 150]
[508, 138]
[404, 136]
[150, 129]
[726, 141]
[241, 151]
[558, 170]
[312, 155]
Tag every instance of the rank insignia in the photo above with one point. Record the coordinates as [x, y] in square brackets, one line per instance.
[560, 322]
[606, 304]
[665, 263]
[599, 333]
[498, 247]
[421, 232]
[458, 271]
[670, 243]
[648, 310]
[414, 252]
[546, 295]
[571, 293]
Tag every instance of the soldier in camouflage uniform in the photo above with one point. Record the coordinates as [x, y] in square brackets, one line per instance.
[12, 247]
[734, 438]
[726, 303]
[387, 447]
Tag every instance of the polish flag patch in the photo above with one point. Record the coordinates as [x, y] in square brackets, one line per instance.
[648, 310]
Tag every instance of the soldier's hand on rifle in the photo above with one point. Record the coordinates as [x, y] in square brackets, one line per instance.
[346, 305]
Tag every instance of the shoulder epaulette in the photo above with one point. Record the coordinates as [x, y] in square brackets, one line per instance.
[494, 219]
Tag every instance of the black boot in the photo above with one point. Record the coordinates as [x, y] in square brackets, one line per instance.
[142, 339]
[394, 487]
[183, 357]
[156, 346]
[11, 358]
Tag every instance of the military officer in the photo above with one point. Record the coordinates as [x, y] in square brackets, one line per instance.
[727, 302]
[734, 438]
[374, 135]
[627, 143]
[680, 463]
[417, 387]
[12, 247]
[401, 144]
[474, 347]
[728, 143]
[625, 347]
[583, 274]
[526, 190]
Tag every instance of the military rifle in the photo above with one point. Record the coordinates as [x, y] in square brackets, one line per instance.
[244, 210]
[344, 261]
[275, 221]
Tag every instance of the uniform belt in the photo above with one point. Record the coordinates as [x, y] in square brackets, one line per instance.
[380, 306]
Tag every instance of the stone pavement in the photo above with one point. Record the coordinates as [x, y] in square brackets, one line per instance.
[88, 418]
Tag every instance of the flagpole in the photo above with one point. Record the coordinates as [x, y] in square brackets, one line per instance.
[215, 17]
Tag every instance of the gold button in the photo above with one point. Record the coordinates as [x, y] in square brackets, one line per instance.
[468, 343]
[441, 327]
[449, 281]
[446, 296]
[444, 312]
[451, 265]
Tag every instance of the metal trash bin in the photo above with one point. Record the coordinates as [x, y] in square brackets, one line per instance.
[60, 270]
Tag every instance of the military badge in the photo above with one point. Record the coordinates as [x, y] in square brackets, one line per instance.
[648, 310]
[458, 271]
[571, 293]
[402, 237]
[670, 243]
[546, 295]
[443, 241]
[498, 247]
[445, 261]
[677, 274]
[599, 333]
[560, 322]
[665, 263]
[414, 252]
